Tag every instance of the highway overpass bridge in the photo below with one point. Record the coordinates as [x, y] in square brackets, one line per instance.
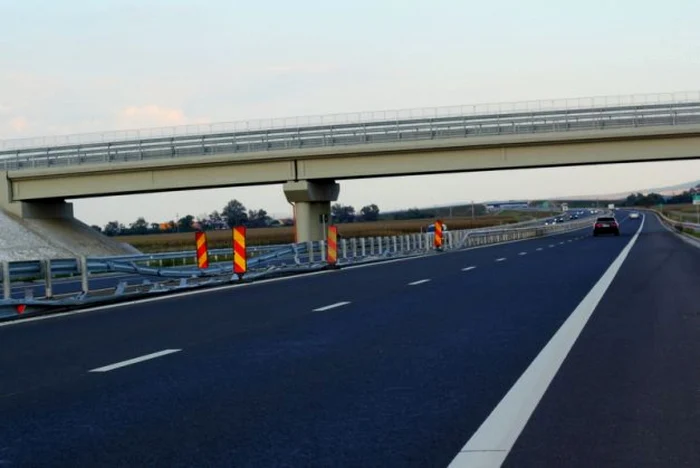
[310, 156]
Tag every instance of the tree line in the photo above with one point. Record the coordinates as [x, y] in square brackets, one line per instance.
[651, 199]
[234, 213]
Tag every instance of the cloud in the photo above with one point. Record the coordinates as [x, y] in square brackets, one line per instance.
[300, 68]
[152, 115]
[19, 124]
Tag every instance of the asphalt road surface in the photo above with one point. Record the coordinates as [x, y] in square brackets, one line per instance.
[392, 365]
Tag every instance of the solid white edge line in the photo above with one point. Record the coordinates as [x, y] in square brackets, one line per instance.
[241, 285]
[468, 268]
[135, 360]
[491, 443]
[331, 306]
[415, 283]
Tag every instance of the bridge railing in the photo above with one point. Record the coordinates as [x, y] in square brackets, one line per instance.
[599, 103]
[230, 144]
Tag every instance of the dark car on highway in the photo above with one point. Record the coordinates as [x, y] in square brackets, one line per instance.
[606, 225]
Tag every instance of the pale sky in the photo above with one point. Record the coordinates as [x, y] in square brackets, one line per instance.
[82, 66]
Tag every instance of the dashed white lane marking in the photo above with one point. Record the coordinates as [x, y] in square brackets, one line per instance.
[551, 245]
[491, 443]
[414, 283]
[502, 259]
[332, 306]
[539, 249]
[522, 253]
[135, 360]
[468, 268]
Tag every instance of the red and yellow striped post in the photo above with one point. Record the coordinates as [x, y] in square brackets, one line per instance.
[438, 234]
[200, 239]
[332, 254]
[240, 261]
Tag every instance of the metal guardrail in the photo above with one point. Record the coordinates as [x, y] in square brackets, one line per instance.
[259, 256]
[286, 260]
[502, 108]
[421, 128]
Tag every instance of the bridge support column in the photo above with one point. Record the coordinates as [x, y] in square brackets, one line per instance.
[312, 200]
[44, 209]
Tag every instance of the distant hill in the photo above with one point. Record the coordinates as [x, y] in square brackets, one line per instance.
[668, 190]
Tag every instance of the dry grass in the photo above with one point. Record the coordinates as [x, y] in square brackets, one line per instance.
[685, 213]
[283, 235]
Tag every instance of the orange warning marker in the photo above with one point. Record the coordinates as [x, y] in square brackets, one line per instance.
[200, 238]
[332, 254]
[438, 234]
[240, 262]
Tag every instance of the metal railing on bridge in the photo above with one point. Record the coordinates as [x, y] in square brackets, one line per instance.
[353, 129]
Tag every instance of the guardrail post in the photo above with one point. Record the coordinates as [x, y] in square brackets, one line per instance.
[48, 279]
[344, 246]
[85, 284]
[322, 247]
[396, 244]
[354, 247]
[362, 247]
[310, 249]
[6, 281]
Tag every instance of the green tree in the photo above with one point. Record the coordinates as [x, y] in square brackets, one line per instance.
[113, 228]
[342, 213]
[184, 224]
[96, 228]
[370, 212]
[155, 228]
[235, 213]
[140, 226]
[258, 218]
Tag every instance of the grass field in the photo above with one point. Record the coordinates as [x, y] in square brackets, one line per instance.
[282, 235]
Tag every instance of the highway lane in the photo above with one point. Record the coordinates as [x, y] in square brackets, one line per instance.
[399, 376]
[627, 395]
[261, 303]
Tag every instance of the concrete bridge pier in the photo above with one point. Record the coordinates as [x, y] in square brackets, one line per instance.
[312, 200]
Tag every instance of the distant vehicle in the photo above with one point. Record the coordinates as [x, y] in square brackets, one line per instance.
[431, 228]
[634, 215]
[560, 219]
[606, 225]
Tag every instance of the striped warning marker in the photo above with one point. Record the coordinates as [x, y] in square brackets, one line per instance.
[438, 234]
[332, 254]
[240, 261]
[200, 238]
